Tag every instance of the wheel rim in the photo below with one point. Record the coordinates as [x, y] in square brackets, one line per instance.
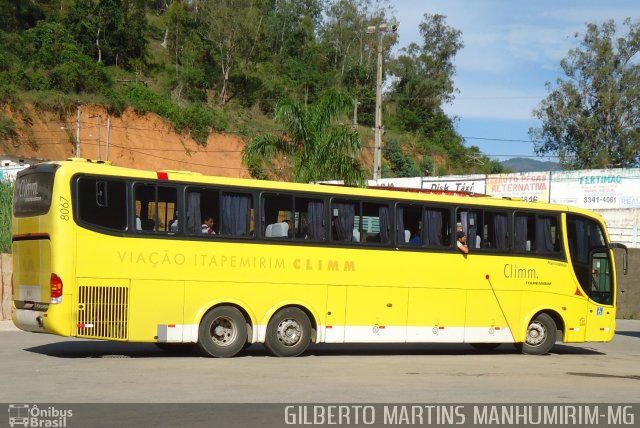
[223, 331]
[536, 334]
[289, 332]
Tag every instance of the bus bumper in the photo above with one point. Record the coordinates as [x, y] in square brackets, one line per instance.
[29, 320]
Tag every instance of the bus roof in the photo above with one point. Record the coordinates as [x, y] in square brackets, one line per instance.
[76, 165]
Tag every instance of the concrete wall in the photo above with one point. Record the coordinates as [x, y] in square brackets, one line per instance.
[628, 286]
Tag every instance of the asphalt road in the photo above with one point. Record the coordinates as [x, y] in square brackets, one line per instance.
[44, 368]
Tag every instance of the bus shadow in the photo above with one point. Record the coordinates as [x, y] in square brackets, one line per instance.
[433, 349]
[629, 333]
[100, 349]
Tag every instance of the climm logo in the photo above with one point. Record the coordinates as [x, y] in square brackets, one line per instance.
[26, 189]
[514, 271]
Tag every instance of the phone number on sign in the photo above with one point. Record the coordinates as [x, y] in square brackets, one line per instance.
[600, 199]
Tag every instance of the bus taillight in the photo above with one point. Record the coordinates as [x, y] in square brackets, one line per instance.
[56, 288]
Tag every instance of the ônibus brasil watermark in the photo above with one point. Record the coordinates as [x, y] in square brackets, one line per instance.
[31, 416]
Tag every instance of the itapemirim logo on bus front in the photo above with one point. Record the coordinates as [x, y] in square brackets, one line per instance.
[30, 415]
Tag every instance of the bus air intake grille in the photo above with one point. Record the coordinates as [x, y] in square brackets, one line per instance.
[103, 312]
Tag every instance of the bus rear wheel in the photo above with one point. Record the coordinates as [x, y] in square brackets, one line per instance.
[541, 335]
[222, 332]
[288, 333]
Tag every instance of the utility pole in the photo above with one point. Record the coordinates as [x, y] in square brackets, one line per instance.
[99, 116]
[108, 135]
[78, 133]
[380, 29]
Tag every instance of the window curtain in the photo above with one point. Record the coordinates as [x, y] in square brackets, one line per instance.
[520, 238]
[344, 221]
[194, 217]
[544, 242]
[464, 216]
[473, 230]
[400, 226]
[316, 220]
[236, 214]
[432, 224]
[383, 213]
[500, 231]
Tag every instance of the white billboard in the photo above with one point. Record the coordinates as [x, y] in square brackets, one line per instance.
[530, 186]
[456, 183]
[597, 188]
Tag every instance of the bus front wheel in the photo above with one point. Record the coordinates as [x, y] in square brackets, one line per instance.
[288, 333]
[222, 332]
[541, 335]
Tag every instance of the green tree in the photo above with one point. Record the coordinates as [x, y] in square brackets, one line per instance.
[6, 193]
[226, 24]
[592, 118]
[425, 77]
[352, 51]
[50, 48]
[400, 163]
[314, 145]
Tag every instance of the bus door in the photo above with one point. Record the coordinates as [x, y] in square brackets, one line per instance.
[335, 321]
[600, 309]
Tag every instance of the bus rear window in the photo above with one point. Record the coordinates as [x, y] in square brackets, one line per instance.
[32, 195]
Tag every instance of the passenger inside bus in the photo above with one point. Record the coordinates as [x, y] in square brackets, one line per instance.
[462, 242]
[416, 239]
[208, 225]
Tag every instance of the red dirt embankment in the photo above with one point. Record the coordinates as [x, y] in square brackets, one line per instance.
[144, 142]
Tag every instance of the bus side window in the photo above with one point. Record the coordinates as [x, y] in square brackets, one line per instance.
[497, 230]
[277, 216]
[200, 204]
[309, 219]
[408, 225]
[345, 218]
[523, 232]
[436, 226]
[156, 206]
[376, 225]
[471, 222]
[102, 202]
[237, 214]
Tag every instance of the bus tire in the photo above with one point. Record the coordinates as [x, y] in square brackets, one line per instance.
[288, 333]
[541, 335]
[222, 332]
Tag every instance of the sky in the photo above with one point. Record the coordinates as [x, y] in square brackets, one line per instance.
[512, 47]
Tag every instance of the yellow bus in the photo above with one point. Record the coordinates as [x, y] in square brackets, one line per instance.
[171, 257]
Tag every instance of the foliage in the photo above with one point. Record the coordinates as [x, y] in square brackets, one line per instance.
[425, 76]
[198, 118]
[181, 59]
[6, 194]
[314, 145]
[7, 128]
[401, 164]
[591, 119]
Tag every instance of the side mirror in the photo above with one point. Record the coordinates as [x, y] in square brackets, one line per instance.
[625, 258]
